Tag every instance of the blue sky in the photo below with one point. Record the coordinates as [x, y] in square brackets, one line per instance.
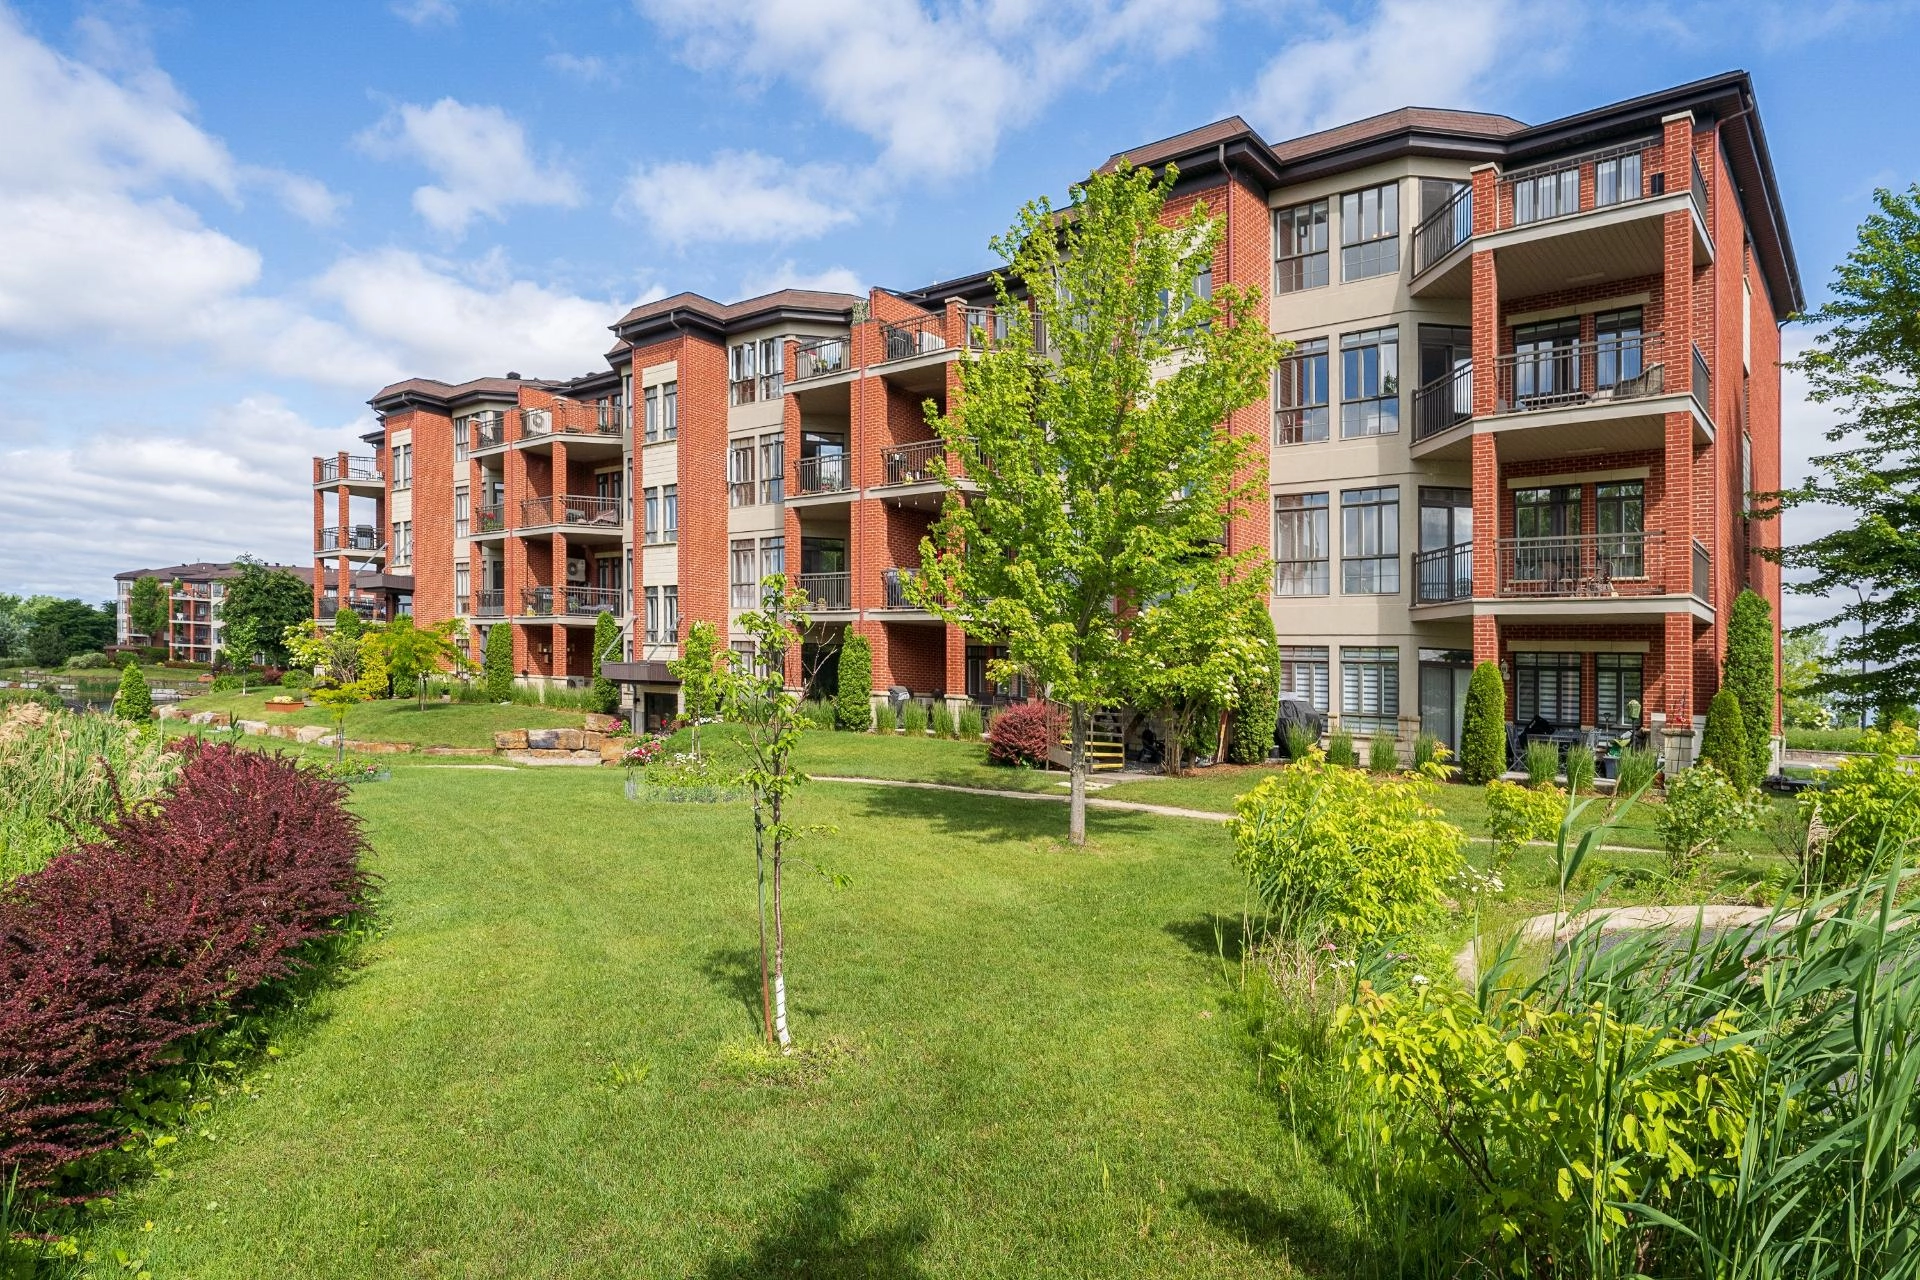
[223, 226]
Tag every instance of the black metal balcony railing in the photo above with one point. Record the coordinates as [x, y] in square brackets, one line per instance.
[490, 519]
[1445, 402]
[827, 592]
[911, 463]
[1578, 184]
[893, 587]
[489, 604]
[333, 471]
[1628, 366]
[536, 602]
[1702, 573]
[580, 510]
[818, 358]
[901, 339]
[1586, 564]
[363, 538]
[489, 431]
[1444, 574]
[825, 473]
[370, 607]
[1443, 230]
[1700, 190]
[578, 602]
[1702, 384]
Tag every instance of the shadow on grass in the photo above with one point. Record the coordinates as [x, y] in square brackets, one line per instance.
[1309, 1238]
[990, 817]
[1212, 936]
[815, 1238]
[736, 972]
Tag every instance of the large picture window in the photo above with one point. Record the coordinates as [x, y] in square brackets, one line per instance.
[1370, 383]
[1547, 686]
[740, 474]
[1369, 688]
[1300, 247]
[1616, 682]
[1300, 394]
[1370, 232]
[1303, 675]
[1370, 541]
[1301, 544]
[745, 580]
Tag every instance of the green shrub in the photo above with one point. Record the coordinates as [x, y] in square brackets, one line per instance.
[1542, 763]
[1340, 750]
[1383, 755]
[1336, 850]
[88, 662]
[1580, 770]
[971, 725]
[1702, 810]
[854, 705]
[1871, 807]
[296, 679]
[1300, 740]
[496, 665]
[913, 718]
[1748, 675]
[698, 674]
[1724, 744]
[134, 701]
[942, 720]
[606, 648]
[1257, 705]
[1426, 750]
[1483, 740]
[230, 683]
[1638, 768]
[1517, 814]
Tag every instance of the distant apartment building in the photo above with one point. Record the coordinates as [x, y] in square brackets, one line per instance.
[1534, 378]
[195, 593]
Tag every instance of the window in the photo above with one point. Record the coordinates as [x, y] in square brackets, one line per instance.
[743, 578]
[1746, 475]
[653, 615]
[1617, 344]
[743, 657]
[670, 513]
[741, 366]
[1619, 516]
[1369, 688]
[1370, 541]
[1370, 383]
[669, 615]
[981, 687]
[1303, 675]
[773, 368]
[651, 414]
[1546, 195]
[669, 410]
[462, 512]
[1300, 394]
[606, 576]
[1300, 247]
[1370, 232]
[461, 426]
[403, 466]
[773, 556]
[402, 548]
[1546, 363]
[1301, 545]
[462, 587]
[1616, 179]
[1547, 686]
[773, 467]
[650, 527]
[740, 474]
[1616, 682]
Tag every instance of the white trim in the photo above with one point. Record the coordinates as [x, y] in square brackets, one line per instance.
[1578, 477]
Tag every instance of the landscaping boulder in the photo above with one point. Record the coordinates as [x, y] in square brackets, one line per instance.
[165, 713]
[539, 740]
[591, 741]
[311, 733]
[511, 740]
[253, 726]
[612, 750]
[597, 723]
[379, 748]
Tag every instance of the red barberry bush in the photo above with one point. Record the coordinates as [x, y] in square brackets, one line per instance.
[1024, 733]
[125, 946]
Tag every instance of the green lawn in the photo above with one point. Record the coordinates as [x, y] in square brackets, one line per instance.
[1017, 1059]
[943, 760]
[442, 724]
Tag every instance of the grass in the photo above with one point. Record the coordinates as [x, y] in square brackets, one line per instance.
[1012, 1065]
[441, 724]
[921, 759]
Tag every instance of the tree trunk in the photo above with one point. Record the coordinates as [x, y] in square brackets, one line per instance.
[1077, 778]
[779, 940]
[760, 889]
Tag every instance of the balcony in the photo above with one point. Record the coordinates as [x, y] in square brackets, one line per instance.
[1443, 231]
[585, 514]
[827, 592]
[362, 540]
[1572, 566]
[894, 588]
[1444, 575]
[350, 471]
[489, 520]
[489, 432]
[490, 604]
[371, 608]
[908, 464]
[905, 339]
[824, 475]
[1444, 403]
[586, 428]
[819, 358]
[570, 602]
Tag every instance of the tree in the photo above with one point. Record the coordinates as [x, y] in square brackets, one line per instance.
[1483, 735]
[411, 653]
[1865, 364]
[134, 701]
[1803, 668]
[147, 601]
[265, 602]
[853, 700]
[62, 628]
[1188, 655]
[496, 677]
[701, 685]
[606, 648]
[1748, 674]
[1724, 743]
[1105, 470]
[15, 623]
[347, 623]
[1256, 712]
[347, 666]
[770, 713]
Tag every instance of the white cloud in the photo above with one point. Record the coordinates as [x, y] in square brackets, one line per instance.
[306, 198]
[589, 68]
[742, 197]
[427, 13]
[242, 476]
[480, 156]
[935, 88]
[789, 276]
[1425, 53]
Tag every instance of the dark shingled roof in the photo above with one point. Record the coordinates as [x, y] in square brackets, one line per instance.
[727, 312]
[205, 571]
[1404, 120]
[432, 389]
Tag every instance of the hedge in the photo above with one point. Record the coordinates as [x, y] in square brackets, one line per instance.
[122, 948]
[853, 705]
[1483, 737]
[1724, 743]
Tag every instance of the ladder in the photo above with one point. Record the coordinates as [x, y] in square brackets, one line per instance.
[1106, 744]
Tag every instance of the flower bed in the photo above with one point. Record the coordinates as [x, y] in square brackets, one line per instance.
[167, 924]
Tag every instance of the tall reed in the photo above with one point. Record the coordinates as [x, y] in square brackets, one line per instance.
[54, 779]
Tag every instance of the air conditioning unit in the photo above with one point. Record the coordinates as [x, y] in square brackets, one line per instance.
[577, 572]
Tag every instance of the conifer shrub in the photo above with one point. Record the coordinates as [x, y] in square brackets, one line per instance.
[606, 644]
[1724, 744]
[1749, 676]
[1483, 741]
[496, 669]
[854, 706]
[134, 701]
[1256, 709]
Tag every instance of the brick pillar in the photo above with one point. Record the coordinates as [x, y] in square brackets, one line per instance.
[1677, 505]
[343, 506]
[956, 682]
[1677, 747]
[1486, 518]
[1485, 179]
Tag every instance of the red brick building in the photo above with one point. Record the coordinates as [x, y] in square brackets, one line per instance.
[1535, 374]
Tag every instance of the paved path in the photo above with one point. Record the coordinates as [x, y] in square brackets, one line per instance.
[1093, 802]
[1556, 927]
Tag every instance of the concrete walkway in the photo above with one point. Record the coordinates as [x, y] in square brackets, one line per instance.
[1093, 802]
[1556, 928]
